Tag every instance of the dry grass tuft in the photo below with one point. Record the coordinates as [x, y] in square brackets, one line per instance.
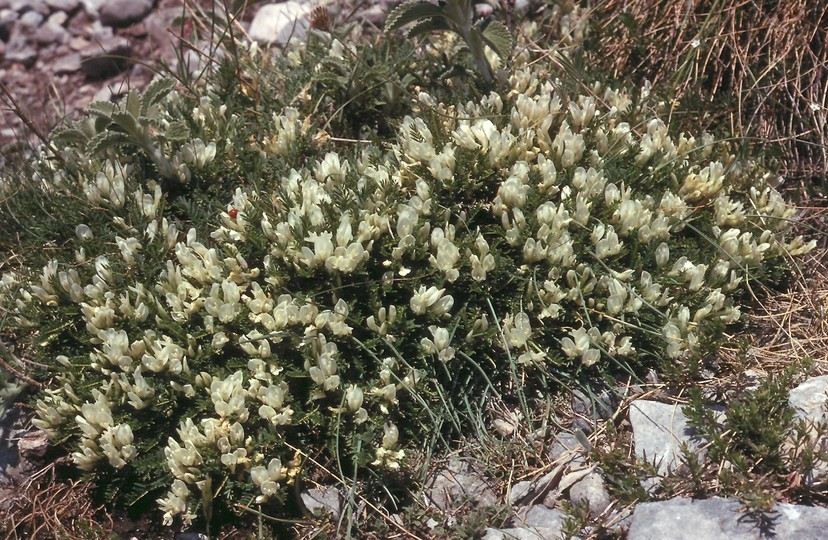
[47, 508]
[766, 61]
[793, 324]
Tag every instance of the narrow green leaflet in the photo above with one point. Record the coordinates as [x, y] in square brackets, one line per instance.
[410, 12]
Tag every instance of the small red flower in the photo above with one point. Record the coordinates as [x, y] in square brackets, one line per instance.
[233, 213]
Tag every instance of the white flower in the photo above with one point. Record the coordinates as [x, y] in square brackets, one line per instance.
[84, 233]
[175, 502]
[198, 154]
[390, 436]
[432, 300]
[439, 345]
[517, 330]
[268, 478]
[579, 345]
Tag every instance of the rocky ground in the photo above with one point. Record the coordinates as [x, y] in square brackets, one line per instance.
[58, 55]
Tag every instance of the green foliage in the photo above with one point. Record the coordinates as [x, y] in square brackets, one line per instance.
[456, 16]
[761, 442]
[299, 303]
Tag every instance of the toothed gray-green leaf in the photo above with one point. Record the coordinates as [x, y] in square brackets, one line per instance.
[127, 122]
[133, 103]
[101, 108]
[498, 37]
[108, 139]
[178, 131]
[429, 25]
[411, 12]
[69, 135]
[155, 93]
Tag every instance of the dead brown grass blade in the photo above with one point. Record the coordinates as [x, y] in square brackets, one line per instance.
[768, 60]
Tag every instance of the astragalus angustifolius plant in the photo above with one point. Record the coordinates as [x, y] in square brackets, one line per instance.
[347, 291]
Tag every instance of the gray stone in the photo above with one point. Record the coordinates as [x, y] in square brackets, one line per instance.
[810, 399]
[92, 6]
[597, 406]
[69, 63]
[98, 32]
[567, 448]
[124, 12]
[25, 6]
[191, 536]
[106, 58]
[527, 489]
[456, 483]
[539, 516]
[66, 6]
[751, 379]
[591, 491]
[724, 519]
[280, 23]
[19, 49]
[323, 501]
[523, 533]
[58, 17]
[7, 20]
[375, 14]
[659, 430]
[32, 18]
[33, 444]
[504, 428]
[50, 33]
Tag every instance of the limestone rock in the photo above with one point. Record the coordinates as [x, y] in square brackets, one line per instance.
[50, 33]
[522, 533]
[591, 491]
[533, 523]
[105, 58]
[32, 18]
[567, 448]
[723, 519]
[7, 20]
[69, 63]
[323, 501]
[280, 23]
[124, 12]
[810, 399]
[67, 6]
[659, 430]
[25, 6]
[455, 483]
[528, 489]
[540, 516]
[20, 47]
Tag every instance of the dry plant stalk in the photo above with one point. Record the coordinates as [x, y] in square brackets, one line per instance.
[47, 508]
[766, 59]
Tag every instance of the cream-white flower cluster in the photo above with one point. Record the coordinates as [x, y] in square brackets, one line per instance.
[532, 227]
